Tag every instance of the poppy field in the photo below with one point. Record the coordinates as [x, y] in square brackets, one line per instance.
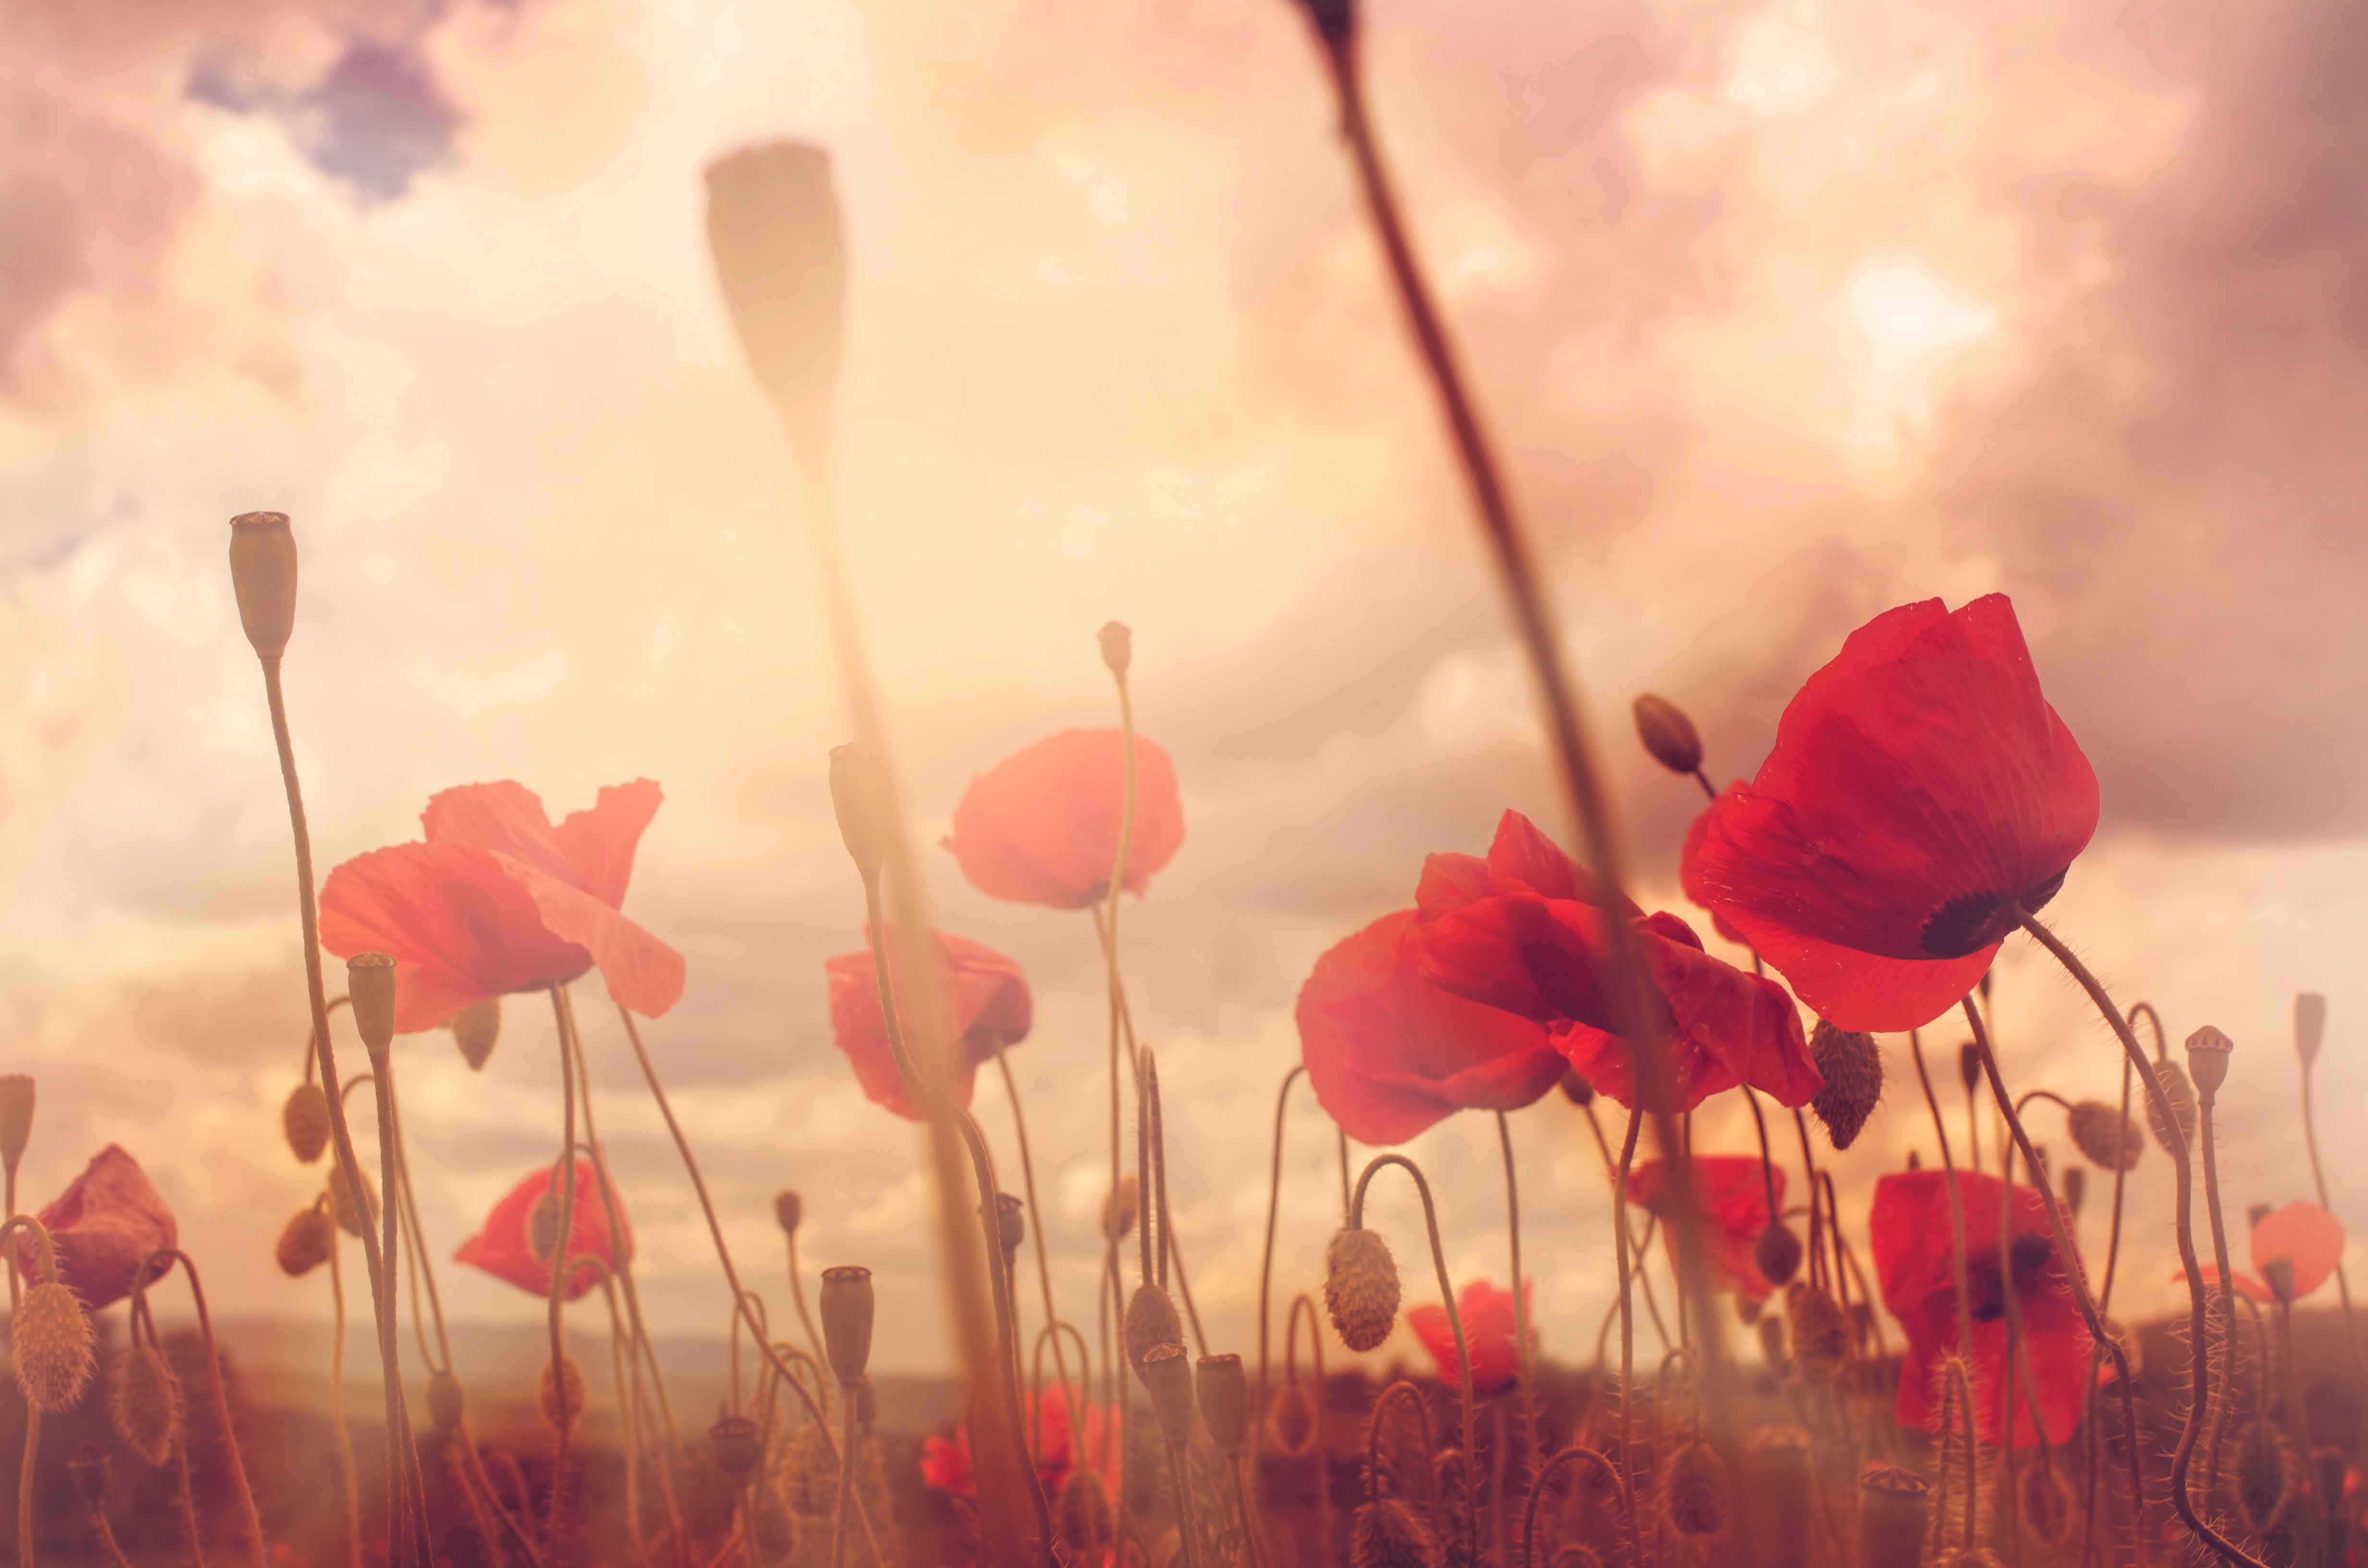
[1935, 1377]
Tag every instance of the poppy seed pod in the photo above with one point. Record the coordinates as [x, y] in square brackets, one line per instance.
[352, 1217]
[2105, 1138]
[88, 1468]
[1387, 1534]
[1168, 1372]
[263, 577]
[846, 1307]
[1291, 1420]
[1776, 1254]
[1892, 1504]
[305, 1243]
[736, 1444]
[779, 247]
[1150, 1321]
[789, 1208]
[2310, 1026]
[1118, 647]
[1668, 734]
[50, 1343]
[1010, 1223]
[15, 1116]
[2075, 1188]
[1696, 1497]
[1853, 1067]
[1578, 1090]
[305, 1119]
[475, 1028]
[1360, 1287]
[1969, 1066]
[2175, 1089]
[1821, 1332]
[370, 982]
[447, 1401]
[143, 1400]
[855, 800]
[2208, 1059]
[2264, 1472]
[1224, 1395]
[1118, 1207]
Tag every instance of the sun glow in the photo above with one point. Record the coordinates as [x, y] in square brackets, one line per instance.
[1912, 324]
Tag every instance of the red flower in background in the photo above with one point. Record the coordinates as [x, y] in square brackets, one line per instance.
[1488, 1313]
[1525, 931]
[1734, 1197]
[103, 1225]
[1042, 825]
[498, 900]
[946, 1462]
[986, 993]
[503, 1248]
[1914, 1244]
[2306, 1237]
[1922, 792]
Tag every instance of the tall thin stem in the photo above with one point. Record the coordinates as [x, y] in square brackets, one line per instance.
[1069, 1399]
[2318, 1182]
[154, 1268]
[561, 1259]
[1628, 1334]
[338, 1400]
[2224, 1346]
[1266, 1253]
[1521, 1296]
[1956, 1200]
[402, 1452]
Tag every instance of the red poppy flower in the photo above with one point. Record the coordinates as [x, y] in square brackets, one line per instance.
[1690, 870]
[2307, 1238]
[1388, 1055]
[1524, 931]
[503, 1248]
[498, 900]
[1733, 1195]
[1042, 825]
[946, 1462]
[1488, 1313]
[1922, 792]
[1914, 1244]
[106, 1221]
[985, 992]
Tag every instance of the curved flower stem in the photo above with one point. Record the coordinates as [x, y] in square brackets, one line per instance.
[1521, 1298]
[1957, 1199]
[798, 1295]
[1767, 1162]
[337, 1394]
[1628, 1332]
[1395, 1394]
[1069, 1398]
[561, 1257]
[2224, 1346]
[1564, 1460]
[1638, 1244]
[1809, 1174]
[152, 1268]
[1303, 1304]
[2183, 1219]
[1466, 1399]
[403, 1450]
[1266, 1254]
[141, 1325]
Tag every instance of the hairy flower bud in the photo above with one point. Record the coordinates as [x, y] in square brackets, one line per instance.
[1892, 1504]
[1118, 1208]
[447, 1401]
[1086, 1519]
[1578, 1090]
[1118, 647]
[736, 1444]
[49, 1342]
[789, 1208]
[1776, 1254]
[369, 982]
[263, 577]
[560, 1396]
[1853, 1067]
[1224, 1395]
[352, 1216]
[1821, 1332]
[846, 1305]
[2105, 1138]
[88, 1469]
[475, 1028]
[1360, 1287]
[2182, 1096]
[2310, 1026]
[305, 1119]
[1151, 1322]
[1668, 734]
[1166, 1371]
[143, 1400]
[2208, 1059]
[15, 1116]
[1696, 1498]
[1385, 1533]
[854, 798]
[304, 1242]
[1011, 1226]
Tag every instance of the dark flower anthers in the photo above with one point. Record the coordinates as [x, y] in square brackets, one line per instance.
[498, 900]
[503, 1248]
[106, 1221]
[1042, 825]
[1920, 796]
[1734, 1198]
[1913, 1241]
[986, 996]
[1486, 1309]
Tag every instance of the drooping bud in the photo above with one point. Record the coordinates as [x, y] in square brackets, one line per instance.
[1821, 1332]
[2105, 1138]
[846, 1306]
[1668, 734]
[304, 1242]
[2264, 1471]
[1290, 1421]
[2310, 1026]
[1386, 1533]
[305, 1119]
[1166, 1371]
[370, 982]
[1969, 1066]
[1578, 1090]
[1360, 1287]
[542, 1227]
[1151, 1322]
[2045, 1502]
[736, 1444]
[1011, 1225]
[15, 1116]
[1224, 1395]
[475, 1028]
[447, 1401]
[143, 1400]
[1852, 1066]
[2208, 1059]
[1086, 1519]
[2075, 1188]
[788, 1210]
[1696, 1497]
[779, 246]
[1776, 1254]
[1118, 1208]
[562, 1396]
[263, 577]
[88, 1469]
[1118, 647]
[49, 1344]
[854, 798]
[1891, 1504]
[352, 1216]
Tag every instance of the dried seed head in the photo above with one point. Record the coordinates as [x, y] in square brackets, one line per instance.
[305, 1119]
[370, 982]
[1118, 647]
[1776, 1254]
[1011, 1225]
[788, 1210]
[1578, 1090]
[2074, 1185]
[2105, 1138]
[352, 1218]
[1696, 1498]
[1224, 1395]
[846, 1305]
[15, 1116]
[1360, 1287]
[263, 575]
[1668, 734]
[49, 1341]
[1151, 1322]
[304, 1242]
[779, 247]
[1969, 1065]
[737, 1444]
[1772, 1344]
[1387, 1534]
[143, 1400]
[447, 1401]
[1120, 1206]
[1892, 1504]
[1291, 1420]
[560, 1396]
[809, 1475]
[855, 799]
[88, 1468]
[1166, 1371]
[2045, 1502]
[1086, 1521]
[475, 1028]
[1852, 1066]
[543, 1226]
[2176, 1089]
[1821, 1332]
[2310, 1026]
[2208, 1059]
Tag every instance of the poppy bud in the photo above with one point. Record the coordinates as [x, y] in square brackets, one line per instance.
[370, 982]
[1125, 1200]
[1224, 1395]
[475, 1028]
[50, 1343]
[1087, 1522]
[737, 1444]
[305, 1243]
[1168, 1375]
[306, 1121]
[1668, 734]
[1772, 1344]
[560, 1398]
[1695, 1493]
[1969, 1065]
[1821, 1332]
[2046, 1503]
[779, 246]
[1578, 1090]
[2075, 1188]
[263, 575]
[855, 799]
[15, 1116]
[2264, 1470]
[2278, 1274]
[542, 1227]
[88, 1468]
[1291, 1420]
[1386, 1532]
[447, 1401]
[1777, 1252]
[2208, 1059]
[1118, 647]
[1853, 1067]
[2105, 1138]
[2183, 1106]
[846, 1306]
[1011, 1225]
[1360, 1287]
[1891, 1504]
[143, 1400]
[2310, 1026]
[1150, 1321]
[352, 1217]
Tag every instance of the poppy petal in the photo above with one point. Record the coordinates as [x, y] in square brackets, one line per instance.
[2307, 1237]
[600, 842]
[642, 972]
[502, 1248]
[458, 926]
[102, 1227]
[503, 816]
[1042, 826]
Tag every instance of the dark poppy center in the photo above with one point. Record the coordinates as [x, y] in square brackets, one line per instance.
[1971, 921]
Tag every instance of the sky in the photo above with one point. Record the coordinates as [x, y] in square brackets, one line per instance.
[1784, 313]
